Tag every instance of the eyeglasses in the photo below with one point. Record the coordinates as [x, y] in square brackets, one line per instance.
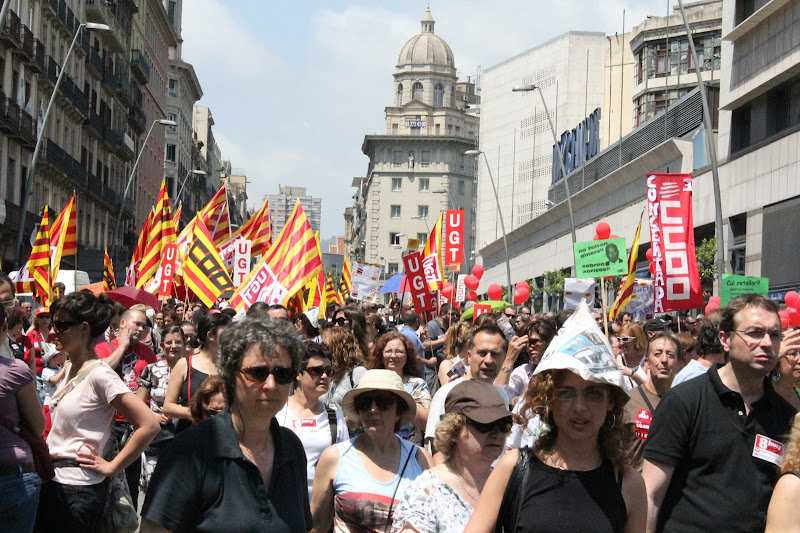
[60, 326]
[535, 342]
[591, 394]
[341, 321]
[208, 413]
[189, 336]
[317, 371]
[389, 353]
[510, 315]
[259, 374]
[757, 334]
[499, 426]
[383, 402]
[625, 339]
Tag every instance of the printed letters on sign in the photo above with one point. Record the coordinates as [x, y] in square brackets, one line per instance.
[168, 263]
[643, 418]
[479, 309]
[768, 449]
[420, 293]
[454, 247]
[241, 260]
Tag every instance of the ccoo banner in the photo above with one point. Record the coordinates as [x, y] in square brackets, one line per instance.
[454, 238]
[420, 292]
[676, 283]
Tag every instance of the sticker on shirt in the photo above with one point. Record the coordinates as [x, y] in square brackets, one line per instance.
[304, 423]
[643, 418]
[768, 449]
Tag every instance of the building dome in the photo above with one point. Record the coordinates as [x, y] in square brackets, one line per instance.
[426, 48]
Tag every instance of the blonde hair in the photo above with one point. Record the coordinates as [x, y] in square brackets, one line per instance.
[791, 455]
[457, 337]
[447, 431]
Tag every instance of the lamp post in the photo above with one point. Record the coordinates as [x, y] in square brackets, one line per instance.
[450, 198]
[183, 184]
[26, 192]
[529, 88]
[163, 122]
[499, 214]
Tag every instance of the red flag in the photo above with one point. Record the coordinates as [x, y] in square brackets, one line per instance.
[162, 232]
[39, 263]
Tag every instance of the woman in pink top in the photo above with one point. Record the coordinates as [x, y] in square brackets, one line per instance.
[83, 410]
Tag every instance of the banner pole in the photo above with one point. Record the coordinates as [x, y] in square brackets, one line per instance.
[603, 299]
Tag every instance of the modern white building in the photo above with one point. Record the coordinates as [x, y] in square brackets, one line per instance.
[282, 204]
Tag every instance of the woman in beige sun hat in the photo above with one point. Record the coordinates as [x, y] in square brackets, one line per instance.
[376, 466]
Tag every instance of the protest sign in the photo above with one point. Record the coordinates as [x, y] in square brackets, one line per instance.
[733, 286]
[479, 309]
[365, 282]
[595, 259]
[415, 274]
[577, 289]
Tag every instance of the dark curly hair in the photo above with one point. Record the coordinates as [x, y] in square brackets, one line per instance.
[97, 311]
[707, 341]
[411, 367]
[615, 436]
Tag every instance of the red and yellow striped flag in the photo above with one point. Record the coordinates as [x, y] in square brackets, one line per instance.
[176, 218]
[204, 272]
[258, 230]
[138, 252]
[330, 290]
[346, 282]
[109, 280]
[316, 294]
[162, 232]
[626, 291]
[215, 217]
[63, 236]
[39, 263]
[432, 255]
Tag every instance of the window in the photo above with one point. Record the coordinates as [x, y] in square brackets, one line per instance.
[171, 153]
[395, 211]
[426, 156]
[461, 187]
[438, 95]
[437, 129]
[661, 59]
[394, 239]
[397, 157]
[700, 54]
[414, 131]
[11, 180]
[422, 211]
[424, 184]
[394, 129]
[422, 238]
[173, 88]
[397, 184]
[416, 91]
[399, 95]
[171, 11]
[174, 118]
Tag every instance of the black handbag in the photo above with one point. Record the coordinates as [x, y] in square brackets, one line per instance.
[508, 515]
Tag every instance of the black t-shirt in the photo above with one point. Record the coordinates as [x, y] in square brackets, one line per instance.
[723, 476]
[203, 482]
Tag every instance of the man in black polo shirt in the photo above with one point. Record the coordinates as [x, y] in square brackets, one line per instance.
[715, 442]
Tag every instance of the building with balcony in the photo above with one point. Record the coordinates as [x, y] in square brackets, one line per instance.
[282, 204]
[417, 168]
[208, 157]
[235, 180]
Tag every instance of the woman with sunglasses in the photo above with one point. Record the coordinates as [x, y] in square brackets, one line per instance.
[633, 343]
[353, 319]
[239, 470]
[456, 342]
[189, 373]
[579, 476]
[317, 426]
[152, 390]
[394, 351]
[518, 369]
[39, 333]
[348, 365]
[471, 435]
[358, 483]
[83, 410]
[209, 400]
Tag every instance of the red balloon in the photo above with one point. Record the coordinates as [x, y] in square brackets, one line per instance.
[715, 299]
[789, 311]
[477, 271]
[526, 292]
[519, 297]
[521, 284]
[603, 230]
[784, 319]
[613, 237]
[471, 282]
[649, 254]
[711, 306]
[596, 237]
[653, 268]
[447, 291]
[495, 292]
[794, 319]
[472, 296]
[792, 299]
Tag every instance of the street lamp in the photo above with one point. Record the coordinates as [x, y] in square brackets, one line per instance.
[183, 184]
[531, 87]
[424, 219]
[445, 191]
[499, 213]
[163, 122]
[28, 190]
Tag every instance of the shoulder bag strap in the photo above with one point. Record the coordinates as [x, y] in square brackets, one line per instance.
[66, 389]
[508, 514]
[413, 451]
[646, 400]
[332, 423]
[189, 381]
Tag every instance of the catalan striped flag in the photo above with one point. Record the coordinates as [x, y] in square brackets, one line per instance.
[39, 264]
[258, 230]
[330, 291]
[432, 255]
[346, 283]
[204, 272]
[162, 232]
[139, 251]
[109, 280]
[316, 294]
[176, 218]
[215, 217]
[626, 291]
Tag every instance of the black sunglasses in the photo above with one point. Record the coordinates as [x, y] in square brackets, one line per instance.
[342, 321]
[383, 402]
[60, 326]
[259, 374]
[317, 371]
[500, 426]
[208, 413]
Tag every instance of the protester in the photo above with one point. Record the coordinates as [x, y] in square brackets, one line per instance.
[536, 337]
[435, 331]
[663, 358]
[189, 373]
[783, 514]
[7, 292]
[40, 333]
[409, 328]
[14, 342]
[304, 413]
[159, 320]
[358, 483]
[53, 373]
[709, 350]
[471, 435]
[348, 365]
[153, 390]
[393, 351]
[724, 483]
[634, 345]
[455, 365]
[375, 328]
[688, 342]
[305, 328]
[239, 470]
[83, 411]
[786, 375]
[352, 318]
[578, 474]
[170, 318]
[190, 343]
[19, 406]
[522, 319]
[209, 400]
[278, 312]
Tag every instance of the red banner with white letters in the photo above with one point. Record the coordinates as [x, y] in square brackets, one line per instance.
[676, 281]
[454, 237]
[420, 292]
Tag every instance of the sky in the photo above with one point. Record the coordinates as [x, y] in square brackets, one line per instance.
[294, 86]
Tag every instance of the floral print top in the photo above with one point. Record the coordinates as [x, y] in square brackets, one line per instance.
[430, 505]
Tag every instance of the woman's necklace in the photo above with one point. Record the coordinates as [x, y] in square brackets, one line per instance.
[460, 482]
[557, 464]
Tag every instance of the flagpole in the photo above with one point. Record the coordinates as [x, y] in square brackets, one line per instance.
[74, 272]
[603, 299]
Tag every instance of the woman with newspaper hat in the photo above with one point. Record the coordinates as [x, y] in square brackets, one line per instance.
[578, 476]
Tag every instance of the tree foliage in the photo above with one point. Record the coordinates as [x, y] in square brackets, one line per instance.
[707, 260]
[554, 282]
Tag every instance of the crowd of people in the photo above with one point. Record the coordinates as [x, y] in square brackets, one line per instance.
[378, 419]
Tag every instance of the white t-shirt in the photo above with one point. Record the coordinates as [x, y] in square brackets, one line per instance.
[314, 433]
[84, 416]
[437, 408]
[49, 388]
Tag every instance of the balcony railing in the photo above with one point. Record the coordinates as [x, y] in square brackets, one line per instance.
[52, 154]
[95, 62]
[11, 29]
[50, 74]
[108, 76]
[140, 66]
[95, 186]
[74, 95]
[104, 12]
[137, 119]
[27, 129]
[95, 124]
[39, 63]
[128, 207]
[26, 39]
[9, 115]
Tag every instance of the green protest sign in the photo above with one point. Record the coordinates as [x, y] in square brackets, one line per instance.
[733, 286]
[595, 259]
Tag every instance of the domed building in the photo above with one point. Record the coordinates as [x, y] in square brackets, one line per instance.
[417, 168]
